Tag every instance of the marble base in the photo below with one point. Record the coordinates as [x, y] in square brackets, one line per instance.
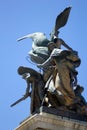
[45, 121]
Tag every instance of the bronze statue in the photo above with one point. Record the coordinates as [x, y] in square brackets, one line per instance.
[35, 81]
[57, 86]
[39, 52]
[64, 64]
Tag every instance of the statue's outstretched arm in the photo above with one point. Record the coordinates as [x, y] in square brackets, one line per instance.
[66, 45]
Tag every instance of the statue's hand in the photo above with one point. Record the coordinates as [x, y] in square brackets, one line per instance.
[27, 94]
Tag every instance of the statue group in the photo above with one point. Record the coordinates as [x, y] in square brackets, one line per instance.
[56, 85]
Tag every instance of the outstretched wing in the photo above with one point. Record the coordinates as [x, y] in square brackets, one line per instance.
[61, 20]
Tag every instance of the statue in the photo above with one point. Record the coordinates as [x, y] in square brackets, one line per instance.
[39, 52]
[35, 81]
[57, 86]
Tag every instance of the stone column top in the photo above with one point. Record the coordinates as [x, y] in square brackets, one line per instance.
[45, 121]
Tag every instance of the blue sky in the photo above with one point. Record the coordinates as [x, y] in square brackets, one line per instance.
[21, 17]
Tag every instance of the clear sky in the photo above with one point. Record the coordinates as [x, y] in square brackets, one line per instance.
[21, 17]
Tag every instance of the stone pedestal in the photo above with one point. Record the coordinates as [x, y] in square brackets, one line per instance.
[45, 121]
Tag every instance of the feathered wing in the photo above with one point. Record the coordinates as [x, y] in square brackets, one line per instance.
[61, 20]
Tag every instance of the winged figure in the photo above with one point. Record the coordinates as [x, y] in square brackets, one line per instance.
[39, 52]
